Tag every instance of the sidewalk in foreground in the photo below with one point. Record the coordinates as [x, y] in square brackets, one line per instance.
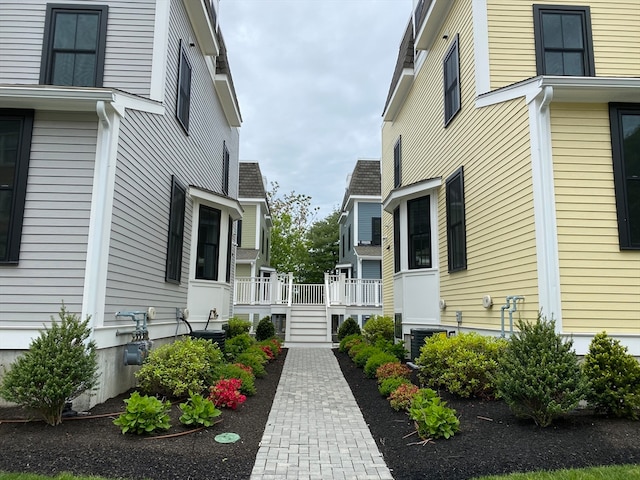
[315, 429]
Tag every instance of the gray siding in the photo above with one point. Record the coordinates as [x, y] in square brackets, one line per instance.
[371, 270]
[366, 211]
[129, 48]
[56, 221]
[349, 252]
[152, 149]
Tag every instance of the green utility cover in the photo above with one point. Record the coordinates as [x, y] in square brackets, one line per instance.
[227, 438]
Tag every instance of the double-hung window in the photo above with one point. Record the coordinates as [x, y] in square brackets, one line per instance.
[397, 163]
[625, 139]
[396, 239]
[74, 44]
[456, 229]
[176, 232]
[376, 231]
[419, 232]
[208, 243]
[15, 149]
[184, 89]
[229, 250]
[451, 67]
[563, 40]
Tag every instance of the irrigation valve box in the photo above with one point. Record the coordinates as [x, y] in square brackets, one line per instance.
[135, 353]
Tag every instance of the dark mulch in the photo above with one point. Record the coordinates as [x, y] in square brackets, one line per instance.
[95, 446]
[491, 441]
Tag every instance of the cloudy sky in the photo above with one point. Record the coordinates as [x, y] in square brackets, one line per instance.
[312, 77]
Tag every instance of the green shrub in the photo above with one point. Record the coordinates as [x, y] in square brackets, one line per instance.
[614, 378]
[402, 397]
[198, 411]
[392, 369]
[363, 355]
[236, 326]
[397, 349]
[464, 364]
[349, 341]
[254, 360]
[378, 327]
[356, 347]
[230, 370]
[432, 417]
[374, 361]
[144, 414]
[265, 329]
[539, 376]
[388, 385]
[59, 365]
[273, 346]
[348, 327]
[175, 369]
[237, 345]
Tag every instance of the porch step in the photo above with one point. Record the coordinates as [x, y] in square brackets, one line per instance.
[308, 326]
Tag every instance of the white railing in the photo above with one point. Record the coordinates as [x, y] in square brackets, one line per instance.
[280, 290]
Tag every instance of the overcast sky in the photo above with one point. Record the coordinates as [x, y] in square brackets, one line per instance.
[312, 78]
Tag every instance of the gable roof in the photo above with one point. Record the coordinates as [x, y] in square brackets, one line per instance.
[251, 184]
[365, 180]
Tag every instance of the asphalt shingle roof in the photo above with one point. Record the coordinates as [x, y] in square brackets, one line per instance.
[250, 182]
[365, 180]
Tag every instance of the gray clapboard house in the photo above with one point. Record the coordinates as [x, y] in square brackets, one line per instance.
[119, 133]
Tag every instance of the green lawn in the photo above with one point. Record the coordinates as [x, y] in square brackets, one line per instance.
[617, 472]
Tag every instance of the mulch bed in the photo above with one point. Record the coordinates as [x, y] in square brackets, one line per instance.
[95, 446]
[491, 440]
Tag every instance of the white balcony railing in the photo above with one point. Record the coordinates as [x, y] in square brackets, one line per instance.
[280, 290]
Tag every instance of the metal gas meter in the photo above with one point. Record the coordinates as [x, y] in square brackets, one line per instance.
[136, 351]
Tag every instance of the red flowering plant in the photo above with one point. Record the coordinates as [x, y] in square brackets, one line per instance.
[266, 349]
[276, 343]
[244, 367]
[392, 369]
[226, 393]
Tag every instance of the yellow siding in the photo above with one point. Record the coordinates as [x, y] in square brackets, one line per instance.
[492, 144]
[600, 284]
[615, 30]
[249, 226]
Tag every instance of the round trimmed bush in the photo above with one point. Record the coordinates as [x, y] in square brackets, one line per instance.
[375, 361]
[349, 341]
[390, 384]
[265, 329]
[378, 327]
[364, 354]
[348, 327]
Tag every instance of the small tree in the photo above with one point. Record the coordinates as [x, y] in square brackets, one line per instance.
[59, 365]
[265, 329]
[348, 327]
[614, 377]
[539, 376]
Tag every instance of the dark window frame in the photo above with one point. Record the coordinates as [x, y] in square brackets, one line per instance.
[628, 225]
[456, 230]
[588, 63]
[225, 169]
[349, 236]
[175, 240]
[414, 237]
[48, 49]
[239, 233]
[396, 240]
[18, 186]
[452, 90]
[397, 163]
[201, 270]
[183, 95]
[229, 248]
[376, 231]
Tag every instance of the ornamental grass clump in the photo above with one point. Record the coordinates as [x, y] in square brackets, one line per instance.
[614, 378]
[539, 376]
[144, 414]
[175, 369]
[348, 327]
[59, 365]
[463, 364]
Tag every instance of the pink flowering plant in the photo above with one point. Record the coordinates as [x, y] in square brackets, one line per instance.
[226, 393]
[392, 369]
[401, 397]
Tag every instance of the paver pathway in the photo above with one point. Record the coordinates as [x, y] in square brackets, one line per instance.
[315, 430]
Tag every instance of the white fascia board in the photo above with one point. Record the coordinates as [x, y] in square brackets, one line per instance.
[568, 89]
[159, 56]
[399, 95]
[481, 46]
[72, 99]
[430, 27]
[202, 27]
[141, 104]
[227, 100]
[415, 190]
[361, 198]
[230, 205]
